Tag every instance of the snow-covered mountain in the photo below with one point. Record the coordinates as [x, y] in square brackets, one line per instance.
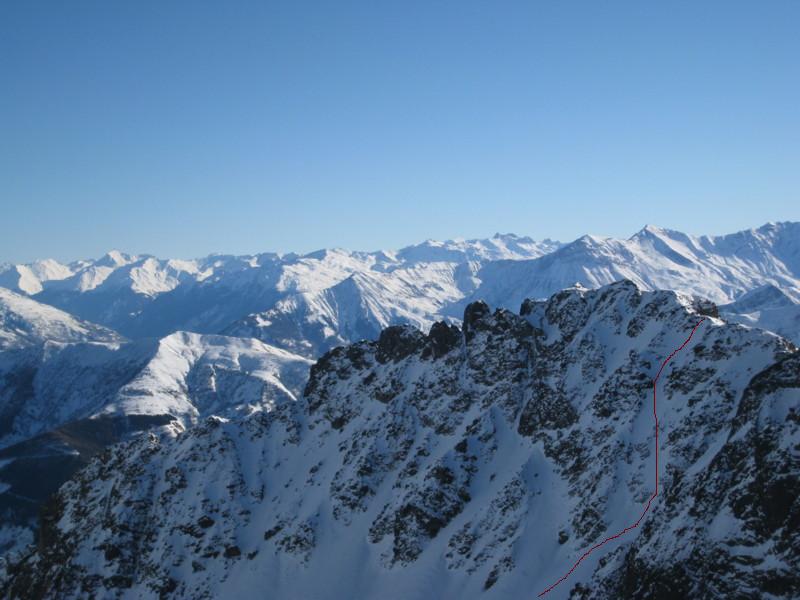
[312, 303]
[144, 275]
[767, 307]
[185, 375]
[55, 368]
[32, 334]
[142, 296]
[25, 322]
[231, 336]
[474, 463]
[718, 268]
[68, 388]
[310, 323]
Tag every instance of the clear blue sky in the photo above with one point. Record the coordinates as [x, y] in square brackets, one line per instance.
[181, 129]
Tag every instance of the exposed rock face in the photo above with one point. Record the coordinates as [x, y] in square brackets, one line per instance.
[443, 338]
[398, 342]
[465, 465]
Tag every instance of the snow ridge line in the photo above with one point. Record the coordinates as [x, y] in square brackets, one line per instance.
[655, 492]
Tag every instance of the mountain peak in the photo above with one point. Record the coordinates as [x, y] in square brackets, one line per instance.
[649, 228]
[115, 258]
[650, 231]
[585, 241]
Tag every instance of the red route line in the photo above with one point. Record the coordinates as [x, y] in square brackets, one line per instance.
[655, 493]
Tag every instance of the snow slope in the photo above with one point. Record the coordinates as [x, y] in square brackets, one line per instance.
[69, 376]
[474, 463]
[24, 322]
[28, 279]
[192, 376]
[357, 308]
[766, 307]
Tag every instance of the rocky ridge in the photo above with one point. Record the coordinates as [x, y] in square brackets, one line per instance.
[470, 463]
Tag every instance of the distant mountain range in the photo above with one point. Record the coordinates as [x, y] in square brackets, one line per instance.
[309, 304]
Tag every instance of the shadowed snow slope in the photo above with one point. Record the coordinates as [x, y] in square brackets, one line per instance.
[474, 463]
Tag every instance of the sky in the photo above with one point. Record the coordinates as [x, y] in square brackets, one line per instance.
[185, 128]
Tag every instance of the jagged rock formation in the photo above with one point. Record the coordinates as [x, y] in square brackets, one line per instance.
[473, 463]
